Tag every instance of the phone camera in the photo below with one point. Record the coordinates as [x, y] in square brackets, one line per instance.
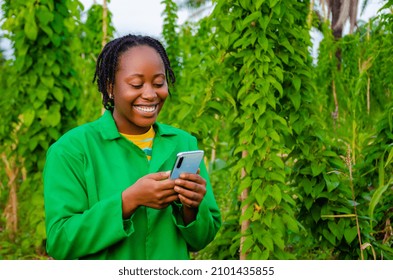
[180, 162]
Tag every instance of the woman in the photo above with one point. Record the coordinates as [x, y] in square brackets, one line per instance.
[106, 183]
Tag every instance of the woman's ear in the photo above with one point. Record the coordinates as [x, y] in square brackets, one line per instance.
[109, 89]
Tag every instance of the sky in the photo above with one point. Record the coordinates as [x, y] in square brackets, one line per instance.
[136, 16]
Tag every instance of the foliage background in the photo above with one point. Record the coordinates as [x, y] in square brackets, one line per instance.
[300, 153]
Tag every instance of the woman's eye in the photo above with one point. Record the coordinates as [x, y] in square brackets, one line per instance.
[137, 86]
[159, 85]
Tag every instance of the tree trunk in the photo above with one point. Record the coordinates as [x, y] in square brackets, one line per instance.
[246, 223]
[337, 29]
[11, 209]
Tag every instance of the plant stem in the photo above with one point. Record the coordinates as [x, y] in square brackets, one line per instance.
[245, 224]
[349, 163]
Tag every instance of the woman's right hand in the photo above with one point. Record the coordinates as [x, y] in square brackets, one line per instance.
[153, 190]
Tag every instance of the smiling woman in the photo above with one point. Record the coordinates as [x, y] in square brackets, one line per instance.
[139, 89]
[107, 189]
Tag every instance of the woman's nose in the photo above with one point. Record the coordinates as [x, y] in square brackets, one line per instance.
[149, 92]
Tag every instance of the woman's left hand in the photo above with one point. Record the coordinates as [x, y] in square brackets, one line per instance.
[191, 189]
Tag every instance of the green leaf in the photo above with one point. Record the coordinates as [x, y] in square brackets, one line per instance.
[28, 117]
[54, 115]
[329, 236]
[271, 100]
[276, 84]
[275, 192]
[251, 99]
[315, 210]
[247, 244]
[44, 15]
[279, 73]
[263, 256]
[260, 196]
[277, 10]
[307, 185]
[296, 99]
[252, 17]
[257, 184]
[350, 234]
[390, 157]
[334, 229]
[55, 134]
[267, 241]
[331, 185]
[376, 198]
[287, 45]
[278, 240]
[318, 189]
[245, 4]
[70, 104]
[278, 161]
[381, 173]
[270, 204]
[31, 29]
[245, 183]
[273, 3]
[291, 223]
[58, 94]
[48, 81]
[317, 168]
[274, 135]
[267, 219]
[258, 4]
[274, 176]
[247, 214]
[226, 23]
[41, 92]
[341, 225]
[296, 81]
[264, 22]
[256, 216]
[33, 144]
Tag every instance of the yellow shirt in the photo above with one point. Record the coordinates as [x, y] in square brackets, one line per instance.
[143, 141]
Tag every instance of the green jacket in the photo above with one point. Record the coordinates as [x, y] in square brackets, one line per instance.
[85, 173]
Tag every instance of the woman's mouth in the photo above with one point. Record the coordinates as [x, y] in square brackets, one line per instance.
[146, 108]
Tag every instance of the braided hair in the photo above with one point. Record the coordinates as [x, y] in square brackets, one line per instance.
[107, 63]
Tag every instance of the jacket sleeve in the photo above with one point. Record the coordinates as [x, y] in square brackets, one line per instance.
[199, 233]
[74, 228]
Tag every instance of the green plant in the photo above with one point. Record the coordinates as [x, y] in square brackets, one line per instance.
[43, 87]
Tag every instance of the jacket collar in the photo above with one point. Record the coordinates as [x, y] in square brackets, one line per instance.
[108, 128]
[163, 143]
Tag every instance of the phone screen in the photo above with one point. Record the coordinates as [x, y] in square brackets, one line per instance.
[186, 162]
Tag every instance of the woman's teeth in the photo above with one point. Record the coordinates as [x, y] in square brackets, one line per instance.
[147, 109]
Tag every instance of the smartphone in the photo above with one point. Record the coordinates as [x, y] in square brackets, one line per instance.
[186, 162]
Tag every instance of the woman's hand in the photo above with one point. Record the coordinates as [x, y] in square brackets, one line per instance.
[191, 189]
[153, 190]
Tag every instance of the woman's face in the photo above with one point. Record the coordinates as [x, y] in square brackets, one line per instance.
[139, 91]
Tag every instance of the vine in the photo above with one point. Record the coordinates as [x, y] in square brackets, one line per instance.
[43, 84]
[92, 38]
